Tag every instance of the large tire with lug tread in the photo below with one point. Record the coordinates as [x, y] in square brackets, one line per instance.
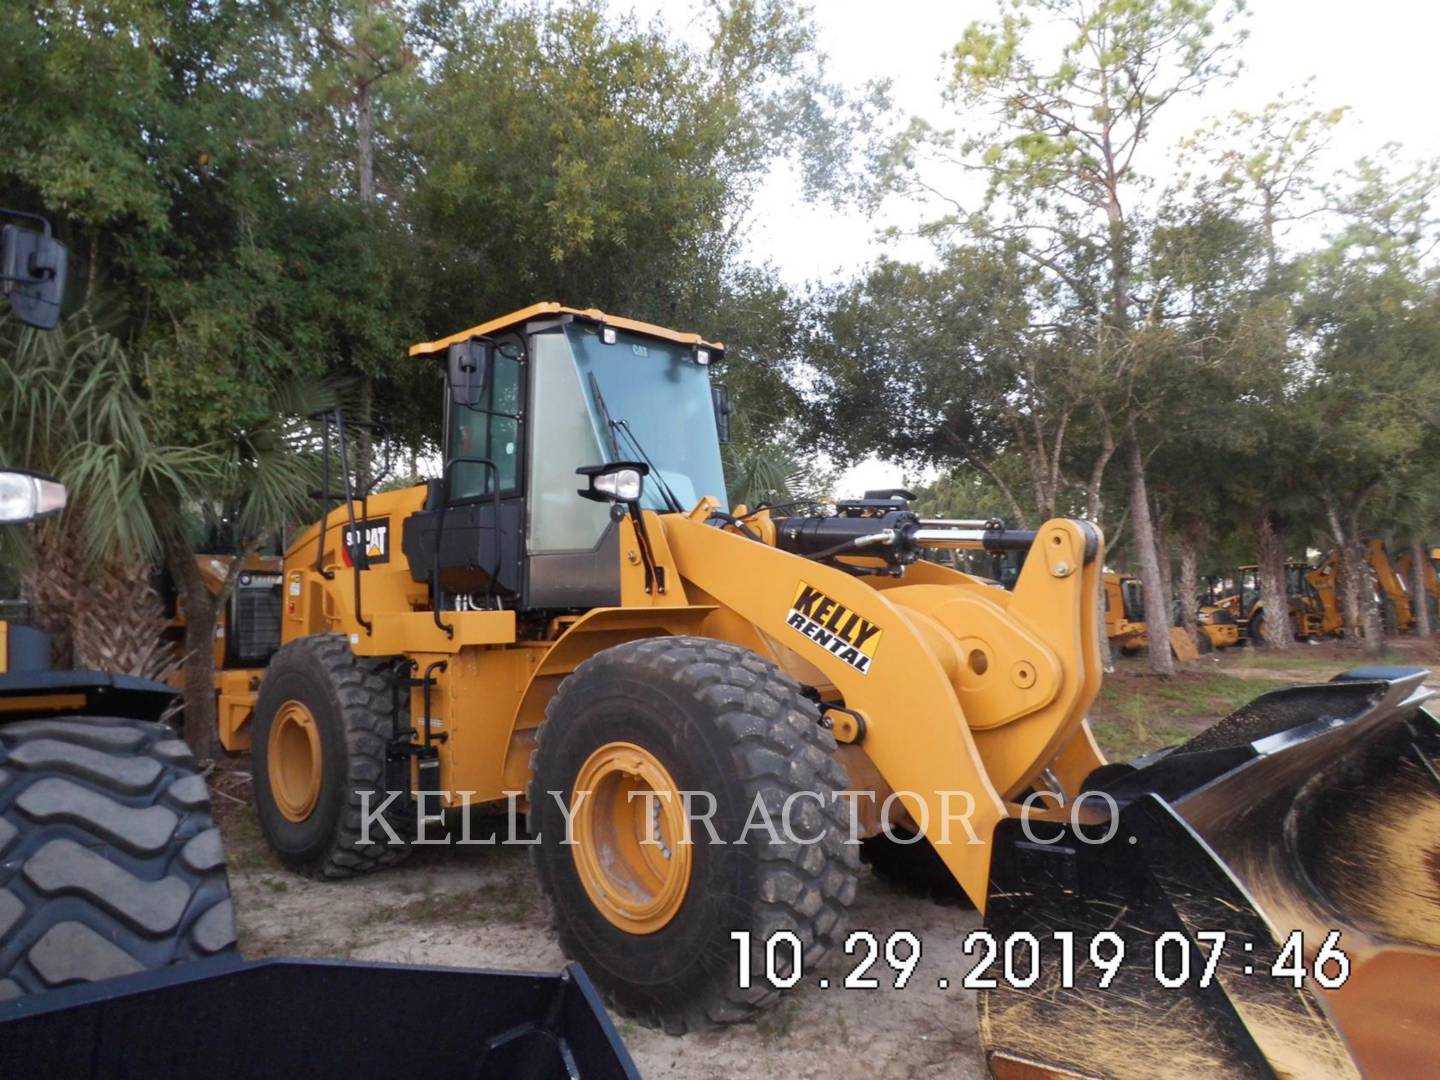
[651, 921]
[322, 724]
[110, 862]
[911, 864]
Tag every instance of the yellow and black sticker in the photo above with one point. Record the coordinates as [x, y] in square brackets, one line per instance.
[834, 627]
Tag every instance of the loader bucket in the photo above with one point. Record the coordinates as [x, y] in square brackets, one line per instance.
[227, 1019]
[1314, 809]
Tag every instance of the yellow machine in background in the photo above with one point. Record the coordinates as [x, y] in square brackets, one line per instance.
[1248, 609]
[572, 617]
[246, 635]
[1394, 593]
[1125, 613]
[1322, 581]
[1403, 567]
[1217, 625]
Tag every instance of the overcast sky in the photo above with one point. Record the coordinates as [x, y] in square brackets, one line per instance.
[1378, 58]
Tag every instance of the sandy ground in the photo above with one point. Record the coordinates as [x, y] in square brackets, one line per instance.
[480, 907]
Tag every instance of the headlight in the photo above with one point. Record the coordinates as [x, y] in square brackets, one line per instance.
[27, 497]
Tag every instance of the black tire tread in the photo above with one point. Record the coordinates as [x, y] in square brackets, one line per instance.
[915, 869]
[779, 748]
[362, 685]
[110, 862]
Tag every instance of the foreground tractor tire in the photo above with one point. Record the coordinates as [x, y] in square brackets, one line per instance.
[110, 862]
[650, 916]
[322, 723]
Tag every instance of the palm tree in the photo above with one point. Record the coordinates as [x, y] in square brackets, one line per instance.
[772, 475]
[71, 405]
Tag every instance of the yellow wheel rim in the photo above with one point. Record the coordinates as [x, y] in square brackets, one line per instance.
[631, 844]
[293, 752]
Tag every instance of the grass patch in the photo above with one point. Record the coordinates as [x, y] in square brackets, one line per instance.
[1301, 658]
[1135, 714]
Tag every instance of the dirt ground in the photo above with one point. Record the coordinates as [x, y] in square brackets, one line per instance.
[480, 907]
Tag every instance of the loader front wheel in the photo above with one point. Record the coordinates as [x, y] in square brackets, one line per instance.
[322, 725]
[658, 753]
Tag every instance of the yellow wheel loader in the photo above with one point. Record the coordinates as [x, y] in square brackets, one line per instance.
[705, 708]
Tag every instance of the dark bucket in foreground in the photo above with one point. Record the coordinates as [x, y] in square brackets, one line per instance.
[307, 1020]
[1273, 889]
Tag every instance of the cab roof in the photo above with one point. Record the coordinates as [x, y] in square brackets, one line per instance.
[535, 311]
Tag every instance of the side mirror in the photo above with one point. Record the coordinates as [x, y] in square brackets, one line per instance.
[617, 482]
[469, 364]
[32, 274]
[720, 395]
[27, 496]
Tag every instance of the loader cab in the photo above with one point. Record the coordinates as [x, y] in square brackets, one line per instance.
[540, 394]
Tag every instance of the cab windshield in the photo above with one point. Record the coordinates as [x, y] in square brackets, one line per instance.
[650, 399]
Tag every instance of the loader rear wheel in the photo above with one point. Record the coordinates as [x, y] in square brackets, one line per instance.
[687, 714]
[322, 724]
[110, 862]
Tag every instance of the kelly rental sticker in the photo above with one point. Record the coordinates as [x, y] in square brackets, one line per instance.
[834, 627]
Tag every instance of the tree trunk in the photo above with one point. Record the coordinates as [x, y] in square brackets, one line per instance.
[1419, 597]
[52, 583]
[1167, 575]
[1350, 572]
[1094, 488]
[1157, 618]
[119, 624]
[202, 611]
[1270, 546]
[365, 139]
[1189, 586]
[1370, 598]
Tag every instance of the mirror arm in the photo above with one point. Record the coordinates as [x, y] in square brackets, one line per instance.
[654, 572]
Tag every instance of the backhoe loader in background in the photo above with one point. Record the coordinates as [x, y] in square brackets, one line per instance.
[1394, 592]
[1322, 580]
[1249, 611]
[1125, 613]
[572, 617]
[1216, 622]
[1403, 567]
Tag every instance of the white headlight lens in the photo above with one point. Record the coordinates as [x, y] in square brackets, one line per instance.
[702, 356]
[24, 497]
[623, 485]
[607, 335]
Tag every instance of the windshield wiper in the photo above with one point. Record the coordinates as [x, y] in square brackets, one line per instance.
[613, 428]
[671, 501]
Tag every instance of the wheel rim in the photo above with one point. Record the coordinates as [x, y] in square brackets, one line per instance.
[631, 846]
[293, 753]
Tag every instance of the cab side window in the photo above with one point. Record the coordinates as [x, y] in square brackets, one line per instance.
[491, 431]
